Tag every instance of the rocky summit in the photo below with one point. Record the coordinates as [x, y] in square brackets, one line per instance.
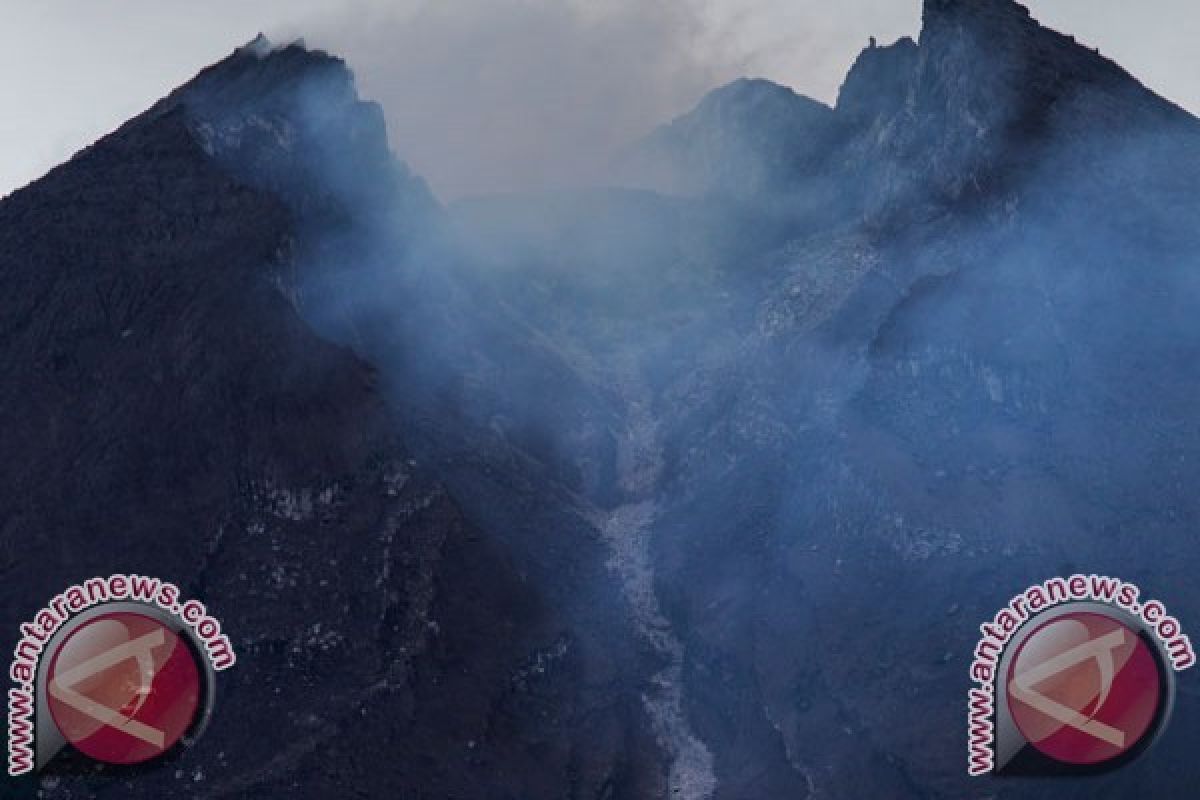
[697, 486]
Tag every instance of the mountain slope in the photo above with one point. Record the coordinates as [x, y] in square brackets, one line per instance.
[169, 412]
[698, 495]
[983, 382]
[747, 138]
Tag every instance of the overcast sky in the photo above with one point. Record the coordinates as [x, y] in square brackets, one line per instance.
[492, 95]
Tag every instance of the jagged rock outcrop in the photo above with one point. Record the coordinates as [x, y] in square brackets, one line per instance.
[958, 116]
[970, 109]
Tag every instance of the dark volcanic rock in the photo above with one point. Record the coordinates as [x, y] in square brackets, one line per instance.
[169, 412]
[877, 85]
[969, 110]
[699, 496]
[983, 384]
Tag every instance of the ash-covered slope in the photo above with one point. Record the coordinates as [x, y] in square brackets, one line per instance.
[940, 346]
[168, 411]
[880, 367]
[981, 377]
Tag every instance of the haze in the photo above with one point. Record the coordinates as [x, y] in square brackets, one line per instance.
[490, 96]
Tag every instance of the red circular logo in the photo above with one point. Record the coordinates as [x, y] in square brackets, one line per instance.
[1084, 688]
[123, 688]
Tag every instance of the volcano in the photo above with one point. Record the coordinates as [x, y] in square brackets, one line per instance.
[696, 486]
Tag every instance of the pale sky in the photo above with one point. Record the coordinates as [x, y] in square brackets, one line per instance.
[492, 95]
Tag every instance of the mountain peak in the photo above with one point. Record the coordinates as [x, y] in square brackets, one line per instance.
[878, 81]
[934, 11]
[981, 93]
[260, 73]
[259, 46]
[744, 138]
[755, 91]
[1000, 39]
[289, 119]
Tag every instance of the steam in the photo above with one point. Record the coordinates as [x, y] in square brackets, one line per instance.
[835, 397]
[485, 96]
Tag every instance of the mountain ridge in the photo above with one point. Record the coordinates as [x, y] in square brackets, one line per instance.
[178, 414]
[968, 101]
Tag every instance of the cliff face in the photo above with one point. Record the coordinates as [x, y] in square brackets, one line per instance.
[969, 110]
